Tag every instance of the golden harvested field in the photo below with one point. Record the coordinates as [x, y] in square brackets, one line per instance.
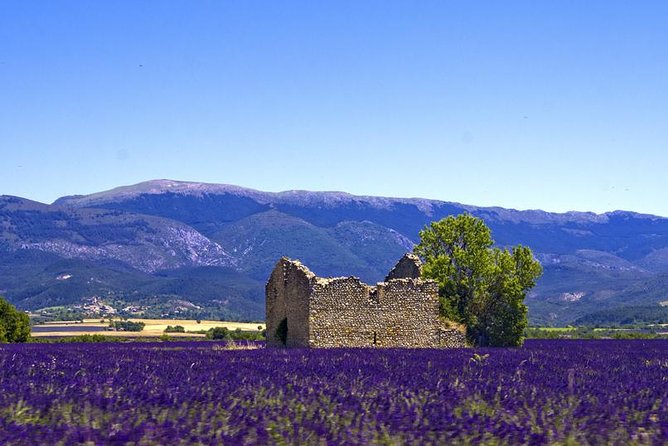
[153, 328]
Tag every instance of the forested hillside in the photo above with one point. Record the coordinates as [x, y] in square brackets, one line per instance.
[208, 248]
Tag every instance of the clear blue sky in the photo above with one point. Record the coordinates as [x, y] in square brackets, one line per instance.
[558, 105]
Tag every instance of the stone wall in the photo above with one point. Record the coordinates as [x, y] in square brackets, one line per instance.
[287, 293]
[408, 267]
[451, 338]
[345, 312]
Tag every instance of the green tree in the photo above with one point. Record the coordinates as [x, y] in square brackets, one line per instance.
[456, 252]
[127, 325]
[14, 324]
[219, 333]
[502, 315]
[480, 286]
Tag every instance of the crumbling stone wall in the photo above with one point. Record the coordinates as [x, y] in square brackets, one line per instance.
[348, 313]
[345, 312]
[451, 338]
[408, 267]
[288, 301]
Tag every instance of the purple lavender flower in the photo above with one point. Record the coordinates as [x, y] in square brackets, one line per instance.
[583, 392]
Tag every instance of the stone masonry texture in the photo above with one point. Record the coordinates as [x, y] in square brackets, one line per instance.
[408, 267]
[304, 310]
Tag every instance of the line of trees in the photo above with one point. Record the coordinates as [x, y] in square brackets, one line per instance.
[127, 325]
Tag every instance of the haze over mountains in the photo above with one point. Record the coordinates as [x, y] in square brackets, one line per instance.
[207, 248]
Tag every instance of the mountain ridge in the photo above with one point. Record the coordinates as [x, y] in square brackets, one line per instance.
[161, 186]
[589, 259]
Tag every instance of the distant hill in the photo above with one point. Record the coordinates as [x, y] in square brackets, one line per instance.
[213, 245]
[625, 316]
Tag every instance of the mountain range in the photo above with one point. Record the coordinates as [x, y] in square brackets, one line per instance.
[167, 247]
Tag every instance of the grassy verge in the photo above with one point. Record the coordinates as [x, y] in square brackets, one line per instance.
[595, 333]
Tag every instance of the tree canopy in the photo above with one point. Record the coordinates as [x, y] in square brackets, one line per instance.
[481, 286]
[14, 324]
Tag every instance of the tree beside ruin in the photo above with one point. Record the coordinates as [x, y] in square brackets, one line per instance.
[480, 286]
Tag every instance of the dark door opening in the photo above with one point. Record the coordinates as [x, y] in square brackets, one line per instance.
[282, 331]
[374, 338]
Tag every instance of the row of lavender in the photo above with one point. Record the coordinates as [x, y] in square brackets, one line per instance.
[567, 392]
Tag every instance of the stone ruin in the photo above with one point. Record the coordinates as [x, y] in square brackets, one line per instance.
[304, 310]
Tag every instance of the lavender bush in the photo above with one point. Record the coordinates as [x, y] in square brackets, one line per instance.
[549, 392]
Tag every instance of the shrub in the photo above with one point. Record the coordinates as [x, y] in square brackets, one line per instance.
[219, 333]
[222, 333]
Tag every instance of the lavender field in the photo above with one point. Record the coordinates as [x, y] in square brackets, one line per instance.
[549, 392]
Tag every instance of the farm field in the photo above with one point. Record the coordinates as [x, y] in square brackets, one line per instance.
[182, 393]
[153, 328]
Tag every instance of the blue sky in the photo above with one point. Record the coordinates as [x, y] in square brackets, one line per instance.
[557, 105]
